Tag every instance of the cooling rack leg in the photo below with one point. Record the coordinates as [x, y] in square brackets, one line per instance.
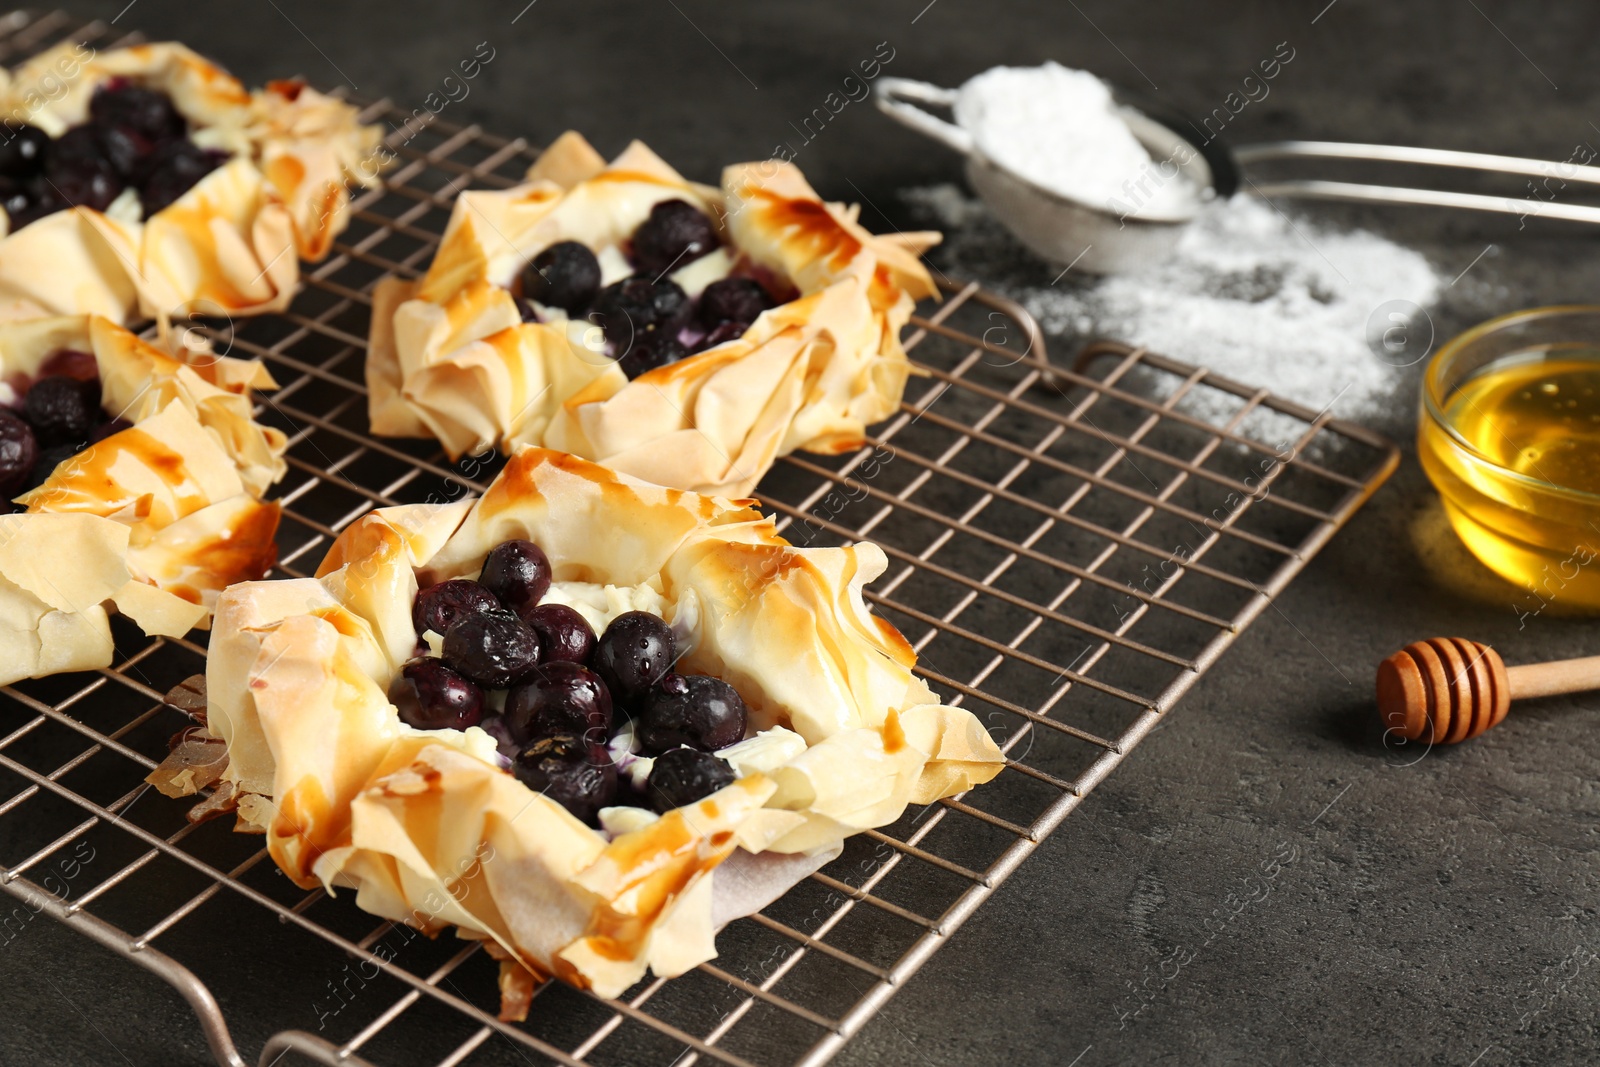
[171, 971]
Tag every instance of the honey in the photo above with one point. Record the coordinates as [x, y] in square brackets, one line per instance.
[1513, 447]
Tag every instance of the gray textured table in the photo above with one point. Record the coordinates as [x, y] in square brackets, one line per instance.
[1441, 912]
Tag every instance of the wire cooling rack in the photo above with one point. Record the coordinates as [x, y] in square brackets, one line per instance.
[1070, 550]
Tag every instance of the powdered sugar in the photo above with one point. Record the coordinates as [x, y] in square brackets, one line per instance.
[1251, 293]
[1057, 128]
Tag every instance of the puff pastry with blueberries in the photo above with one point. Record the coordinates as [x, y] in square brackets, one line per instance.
[146, 181]
[646, 714]
[137, 477]
[681, 333]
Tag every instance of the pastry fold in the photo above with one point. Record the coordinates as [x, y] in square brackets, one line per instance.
[231, 245]
[451, 358]
[154, 521]
[427, 827]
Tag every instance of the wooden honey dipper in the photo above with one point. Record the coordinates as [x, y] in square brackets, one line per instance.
[1447, 689]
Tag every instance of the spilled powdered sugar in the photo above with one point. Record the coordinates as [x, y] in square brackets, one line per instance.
[1257, 296]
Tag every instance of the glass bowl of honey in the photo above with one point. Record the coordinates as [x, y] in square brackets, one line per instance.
[1509, 433]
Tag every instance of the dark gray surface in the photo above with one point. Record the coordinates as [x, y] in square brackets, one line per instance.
[1442, 911]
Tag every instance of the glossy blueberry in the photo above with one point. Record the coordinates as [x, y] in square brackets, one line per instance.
[675, 235]
[732, 300]
[173, 170]
[36, 199]
[634, 653]
[685, 775]
[437, 606]
[628, 309]
[19, 451]
[565, 275]
[649, 351]
[564, 635]
[518, 573]
[560, 698]
[71, 362]
[60, 410]
[16, 202]
[77, 147]
[147, 112]
[779, 289]
[574, 773]
[79, 173]
[691, 709]
[127, 151]
[431, 696]
[22, 149]
[728, 331]
[492, 648]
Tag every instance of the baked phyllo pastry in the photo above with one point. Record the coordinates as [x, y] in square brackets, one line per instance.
[130, 480]
[684, 334]
[583, 718]
[147, 181]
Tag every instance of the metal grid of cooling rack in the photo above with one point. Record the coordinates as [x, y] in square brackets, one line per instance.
[1069, 551]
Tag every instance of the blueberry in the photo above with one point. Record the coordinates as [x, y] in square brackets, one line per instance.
[634, 653]
[691, 709]
[72, 362]
[79, 173]
[173, 170]
[127, 150]
[675, 235]
[147, 112]
[22, 150]
[728, 331]
[437, 606]
[19, 451]
[60, 410]
[76, 148]
[628, 309]
[560, 698]
[683, 776]
[565, 275]
[732, 300]
[17, 204]
[492, 648]
[649, 351]
[36, 199]
[49, 459]
[576, 774]
[518, 573]
[431, 696]
[564, 636]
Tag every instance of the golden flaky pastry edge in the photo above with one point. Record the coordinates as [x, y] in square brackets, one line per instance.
[229, 246]
[429, 830]
[450, 357]
[153, 522]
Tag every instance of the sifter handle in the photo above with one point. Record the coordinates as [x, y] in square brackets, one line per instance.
[892, 96]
